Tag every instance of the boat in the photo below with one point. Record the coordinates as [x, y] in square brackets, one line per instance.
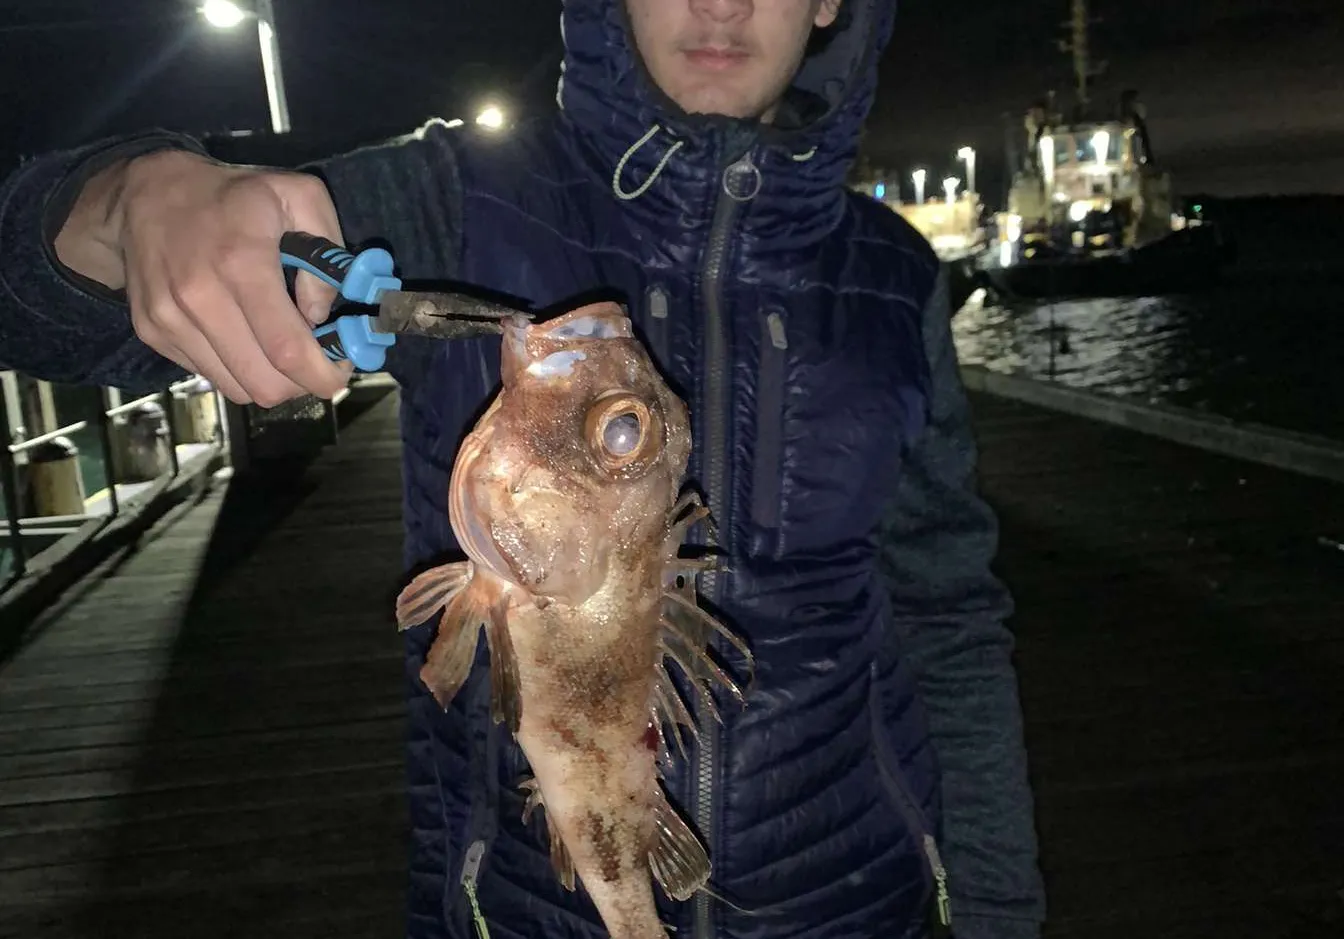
[1090, 210]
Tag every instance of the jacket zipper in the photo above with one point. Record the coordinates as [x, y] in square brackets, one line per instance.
[766, 472]
[716, 340]
[909, 808]
[470, 870]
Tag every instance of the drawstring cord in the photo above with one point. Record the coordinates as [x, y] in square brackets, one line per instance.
[634, 148]
[658, 169]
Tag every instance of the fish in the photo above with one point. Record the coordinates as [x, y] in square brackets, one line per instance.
[569, 499]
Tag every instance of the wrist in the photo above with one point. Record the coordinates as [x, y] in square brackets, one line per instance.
[89, 243]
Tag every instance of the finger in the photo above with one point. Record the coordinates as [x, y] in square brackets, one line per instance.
[167, 331]
[195, 354]
[309, 208]
[314, 298]
[285, 338]
[217, 316]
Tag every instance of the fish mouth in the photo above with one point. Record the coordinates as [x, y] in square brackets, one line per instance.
[605, 320]
[464, 515]
[551, 348]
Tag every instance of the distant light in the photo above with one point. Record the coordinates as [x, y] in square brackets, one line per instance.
[222, 14]
[1079, 210]
[456, 122]
[950, 187]
[880, 191]
[965, 153]
[1197, 207]
[491, 117]
[1101, 144]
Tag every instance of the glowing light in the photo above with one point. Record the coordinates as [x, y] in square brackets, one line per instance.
[950, 187]
[222, 14]
[491, 117]
[1101, 145]
[919, 176]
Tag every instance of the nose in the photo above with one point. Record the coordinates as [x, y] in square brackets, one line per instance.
[723, 11]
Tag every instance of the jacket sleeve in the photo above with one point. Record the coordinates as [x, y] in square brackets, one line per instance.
[59, 326]
[55, 324]
[950, 611]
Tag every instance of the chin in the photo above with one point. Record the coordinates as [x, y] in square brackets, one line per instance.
[717, 101]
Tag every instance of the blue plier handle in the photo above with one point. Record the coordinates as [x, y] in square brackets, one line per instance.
[360, 278]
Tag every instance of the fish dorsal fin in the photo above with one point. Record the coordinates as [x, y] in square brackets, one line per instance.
[678, 860]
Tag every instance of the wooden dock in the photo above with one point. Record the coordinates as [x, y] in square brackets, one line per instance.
[205, 740]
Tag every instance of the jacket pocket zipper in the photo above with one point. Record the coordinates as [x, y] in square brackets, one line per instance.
[470, 870]
[916, 821]
[766, 471]
[655, 304]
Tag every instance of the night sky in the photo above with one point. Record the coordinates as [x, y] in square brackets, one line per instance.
[1243, 96]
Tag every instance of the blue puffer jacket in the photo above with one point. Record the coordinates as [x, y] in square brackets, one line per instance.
[787, 313]
[807, 329]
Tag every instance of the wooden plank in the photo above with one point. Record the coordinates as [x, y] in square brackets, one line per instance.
[1178, 650]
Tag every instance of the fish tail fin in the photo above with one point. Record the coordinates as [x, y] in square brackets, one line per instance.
[429, 591]
[678, 860]
[454, 650]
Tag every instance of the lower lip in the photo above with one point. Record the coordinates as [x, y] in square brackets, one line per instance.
[715, 60]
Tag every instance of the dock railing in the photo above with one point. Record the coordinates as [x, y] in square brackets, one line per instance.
[140, 448]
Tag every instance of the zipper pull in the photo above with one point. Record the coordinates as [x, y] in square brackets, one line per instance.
[774, 323]
[942, 901]
[742, 179]
[470, 870]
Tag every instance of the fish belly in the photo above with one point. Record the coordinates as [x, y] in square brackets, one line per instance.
[585, 686]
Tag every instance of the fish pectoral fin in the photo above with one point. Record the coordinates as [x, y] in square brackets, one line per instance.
[454, 649]
[678, 860]
[505, 701]
[560, 859]
[429, 591]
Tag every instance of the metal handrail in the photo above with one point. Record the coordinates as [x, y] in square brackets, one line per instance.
[9, 482]
[49, 436]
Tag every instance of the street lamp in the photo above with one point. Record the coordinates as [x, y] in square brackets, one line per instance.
[967, 154]
[222, 14]
[225, 14]
[491, 117]
[950, 187]
[918, 176]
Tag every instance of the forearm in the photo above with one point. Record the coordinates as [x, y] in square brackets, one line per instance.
[951, 614]
[56, 323]
[63, 310]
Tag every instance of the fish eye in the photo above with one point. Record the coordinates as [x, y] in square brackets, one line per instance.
[621, 434]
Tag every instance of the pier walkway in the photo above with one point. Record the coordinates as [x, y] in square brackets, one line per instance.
[204, 739]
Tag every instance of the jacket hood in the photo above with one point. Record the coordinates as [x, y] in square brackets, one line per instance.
[639, 134]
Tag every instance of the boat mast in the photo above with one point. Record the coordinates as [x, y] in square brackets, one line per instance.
[1078, 44]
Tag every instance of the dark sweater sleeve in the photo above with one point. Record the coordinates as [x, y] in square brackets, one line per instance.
[59, 326]
[951, 613]
[55, 324]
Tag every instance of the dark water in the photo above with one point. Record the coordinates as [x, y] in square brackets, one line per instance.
[1265, 344]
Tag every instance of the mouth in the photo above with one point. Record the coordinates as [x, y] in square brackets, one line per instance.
[716, 58]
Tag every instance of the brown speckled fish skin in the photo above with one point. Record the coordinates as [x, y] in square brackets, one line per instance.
[565, 498]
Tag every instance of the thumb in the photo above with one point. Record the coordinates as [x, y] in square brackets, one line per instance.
[309, 208]
[313, 297]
